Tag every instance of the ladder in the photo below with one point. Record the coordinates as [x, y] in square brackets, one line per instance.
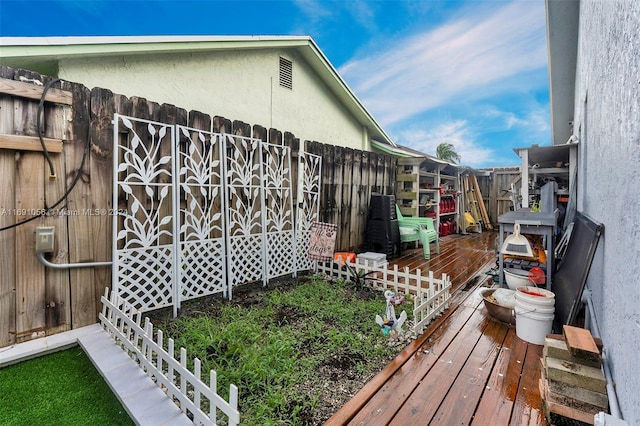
[475, 202]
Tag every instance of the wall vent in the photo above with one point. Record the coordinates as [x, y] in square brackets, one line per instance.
[286, 73]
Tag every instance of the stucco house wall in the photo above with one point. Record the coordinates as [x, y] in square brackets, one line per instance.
[607, 122]
[237, 77]
[239, 85]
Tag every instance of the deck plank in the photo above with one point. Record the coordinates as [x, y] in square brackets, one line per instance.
[497, 401]
[528, 408]
[435, 387]
[393, 394]
[467, 368]
[472, 380]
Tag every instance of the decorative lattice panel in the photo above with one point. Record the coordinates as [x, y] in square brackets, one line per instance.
[143, 250]
[201, 254]
[278, 219]
[245, 210]
[199, 212]
[309, 172]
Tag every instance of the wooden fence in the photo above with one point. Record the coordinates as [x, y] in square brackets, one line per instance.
[78, 129]
[495, 190]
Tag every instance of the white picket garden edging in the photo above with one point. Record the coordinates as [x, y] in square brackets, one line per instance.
[431, 295]
[184, 387]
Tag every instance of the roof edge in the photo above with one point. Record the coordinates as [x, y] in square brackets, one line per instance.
[13, 47]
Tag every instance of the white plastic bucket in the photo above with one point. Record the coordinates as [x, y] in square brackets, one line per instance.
[535, 309]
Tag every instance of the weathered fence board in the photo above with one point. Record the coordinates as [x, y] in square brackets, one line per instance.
[29, 190]
[103, 106]
[57, 314]
[7, 218]
[345, 206]
[496, 190]
[80, 221]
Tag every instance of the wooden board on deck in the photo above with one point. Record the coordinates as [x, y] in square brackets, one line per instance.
[580, 343]
[582, 395]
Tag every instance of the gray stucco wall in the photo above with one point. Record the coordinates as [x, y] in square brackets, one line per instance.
[607, 121]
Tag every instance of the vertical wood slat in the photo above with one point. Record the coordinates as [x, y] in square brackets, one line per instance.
[338, 185]
[7, 218]
[169, 114]
[102, 104]
[364, 193]
[293, 143]
[344, 228]
[29, 187]
[355, 232]
[201, 121]
[57, 296]
[79, 204]
[327, 189]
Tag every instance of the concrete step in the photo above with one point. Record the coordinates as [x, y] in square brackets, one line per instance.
[145, 402]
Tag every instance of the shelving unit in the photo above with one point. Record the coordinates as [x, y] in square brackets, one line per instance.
[428, 187]
[533, 223]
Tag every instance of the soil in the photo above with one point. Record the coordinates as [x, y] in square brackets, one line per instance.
[337, 378]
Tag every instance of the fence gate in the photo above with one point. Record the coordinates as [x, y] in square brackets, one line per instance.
[198, 213]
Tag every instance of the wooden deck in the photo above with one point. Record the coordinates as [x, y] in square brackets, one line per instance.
[467, 368]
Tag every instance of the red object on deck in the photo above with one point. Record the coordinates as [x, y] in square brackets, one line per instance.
[344, 256]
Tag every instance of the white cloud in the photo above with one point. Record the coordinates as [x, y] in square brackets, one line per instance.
[469, 58]
[533, 122]
[458, 133]
[313, 9]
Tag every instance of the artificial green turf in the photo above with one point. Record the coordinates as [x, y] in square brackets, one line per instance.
[63, 388]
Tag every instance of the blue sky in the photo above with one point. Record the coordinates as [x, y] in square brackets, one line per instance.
[471, 73]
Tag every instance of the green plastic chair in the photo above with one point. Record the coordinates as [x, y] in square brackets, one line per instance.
[418, 229]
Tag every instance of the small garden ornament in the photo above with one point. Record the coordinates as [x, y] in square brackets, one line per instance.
[392, 326]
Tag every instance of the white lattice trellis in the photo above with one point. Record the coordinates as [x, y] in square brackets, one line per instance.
[309, 172]
[245, 210]
[278, 203]
[201, 212]
[201, 251]
[143, 244]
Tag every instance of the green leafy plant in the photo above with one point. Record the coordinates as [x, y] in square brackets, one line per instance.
[273, 348]
[359, 276]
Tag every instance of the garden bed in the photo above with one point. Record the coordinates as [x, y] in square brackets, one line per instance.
[297, 350]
